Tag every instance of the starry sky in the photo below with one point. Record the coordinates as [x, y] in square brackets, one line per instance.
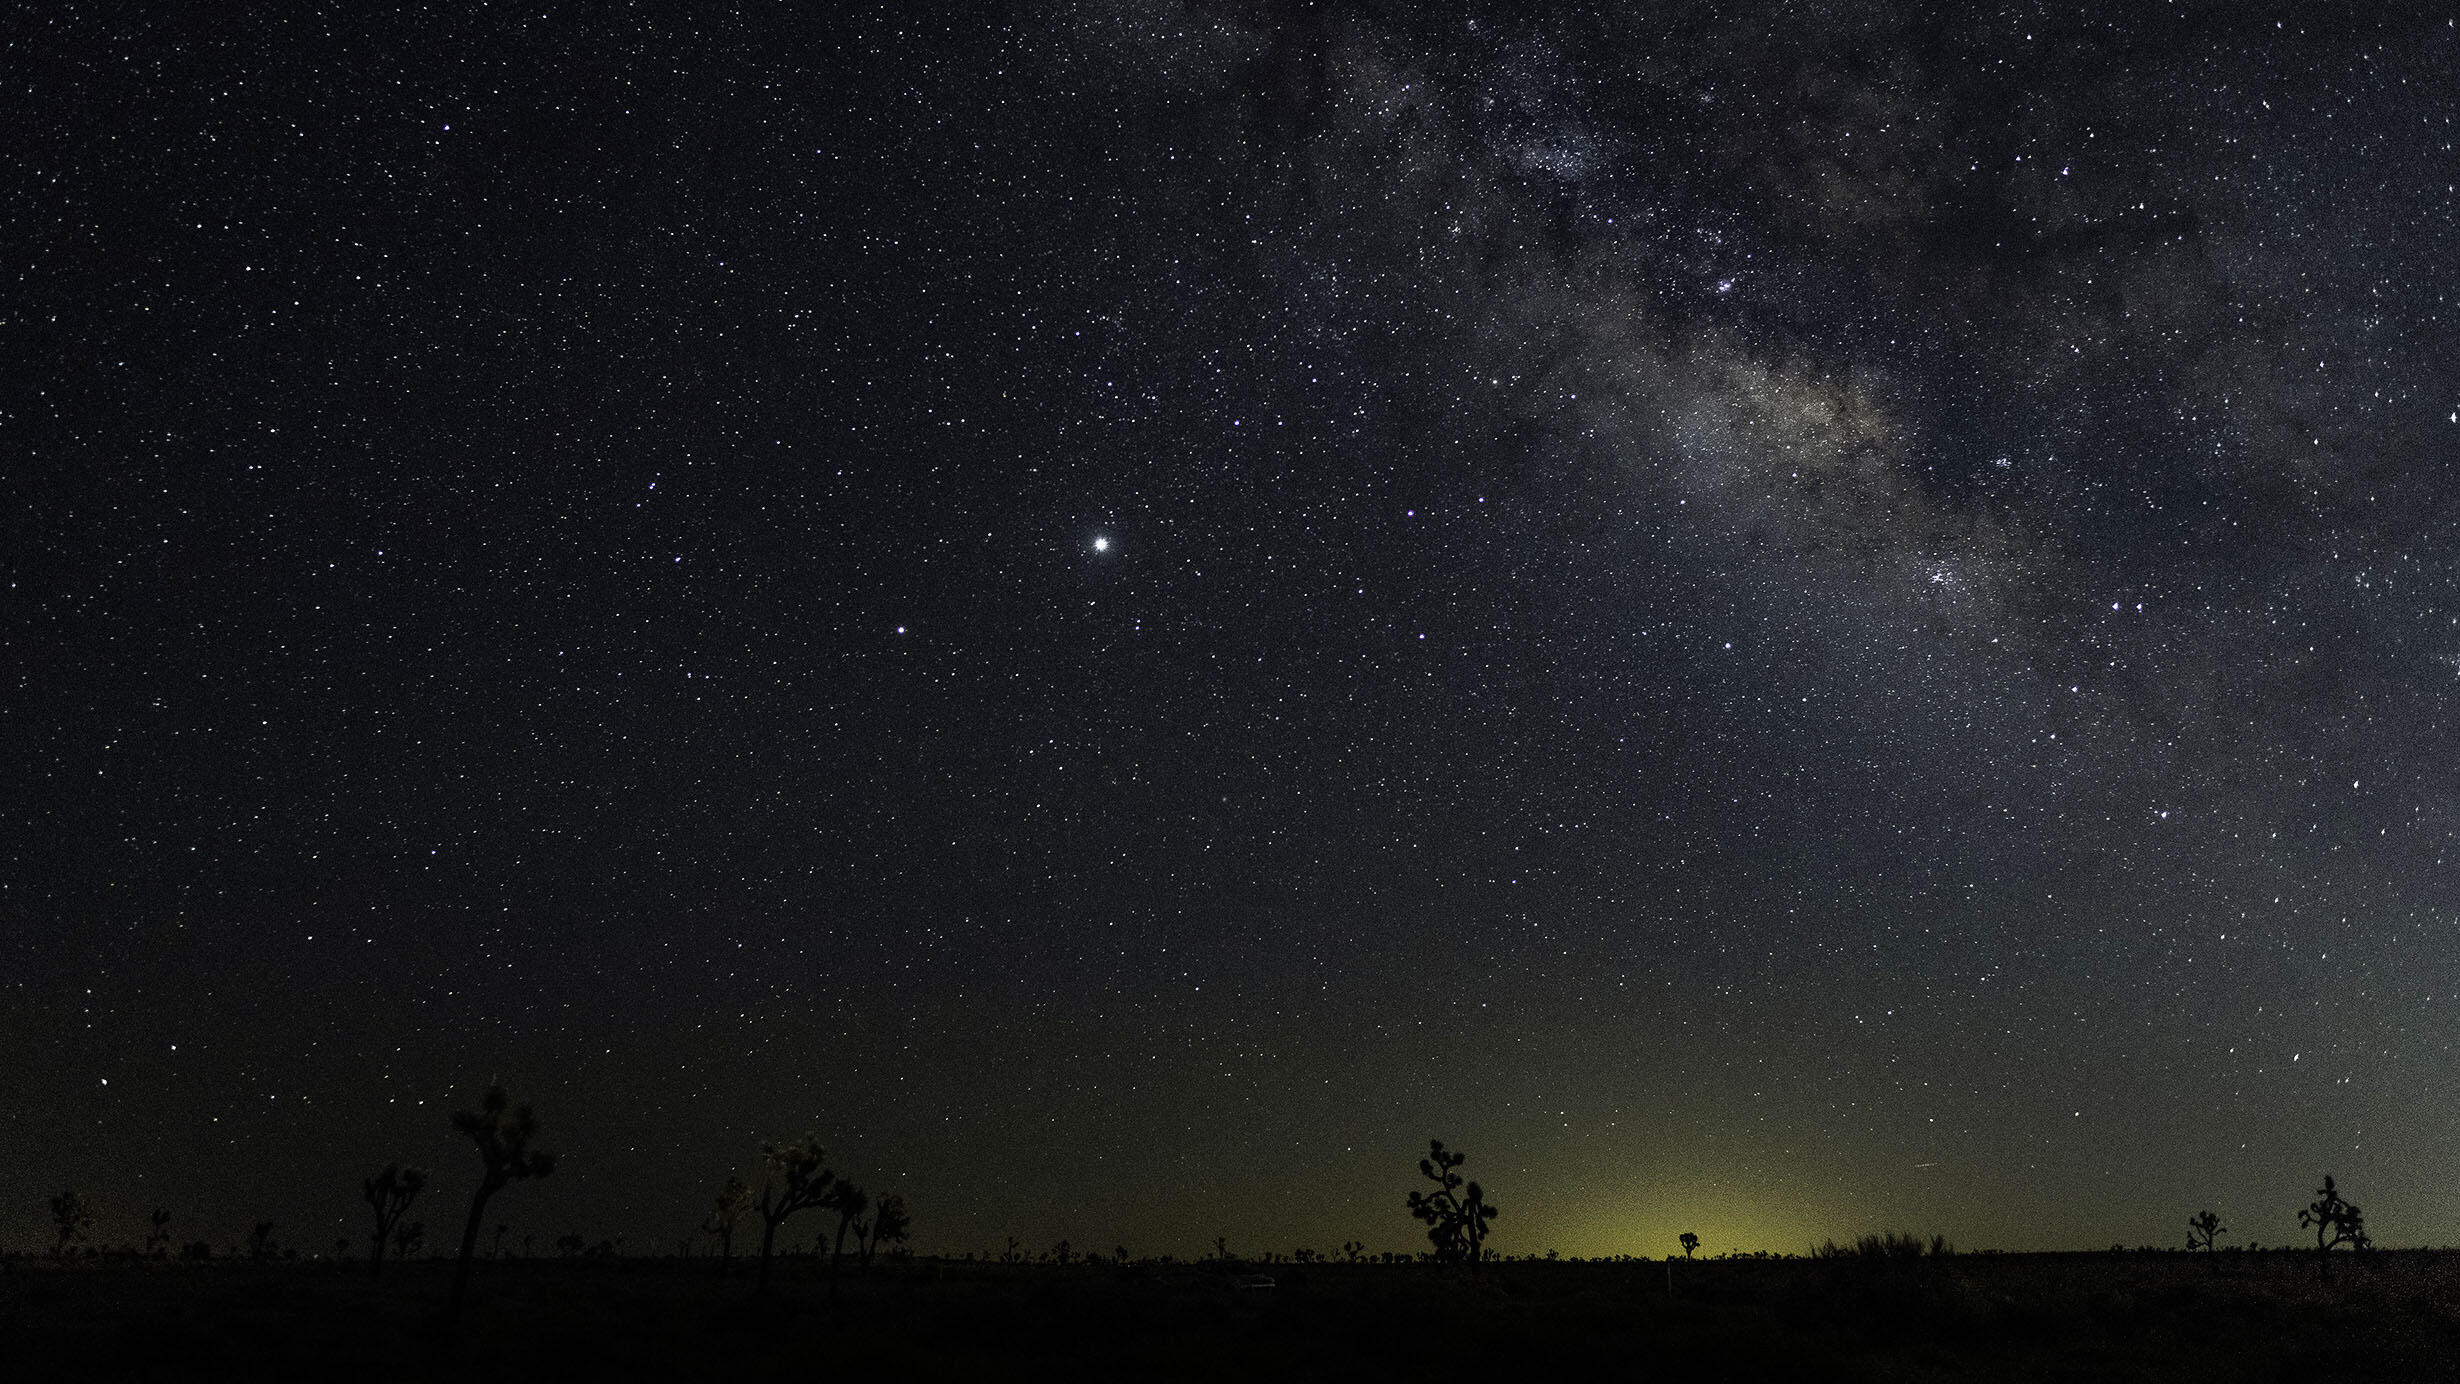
[1778, 619]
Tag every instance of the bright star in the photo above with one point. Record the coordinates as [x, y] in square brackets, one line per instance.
[1101, 545]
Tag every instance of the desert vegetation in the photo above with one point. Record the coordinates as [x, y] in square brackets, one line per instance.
[71, 1219]
[501, 1132]
[798, 1179]
[859, 1294]
[2336, 1222]
[1456, 1215]
[2203, 1228]
[733, 1200]
[390, 1192]
[889, 1225]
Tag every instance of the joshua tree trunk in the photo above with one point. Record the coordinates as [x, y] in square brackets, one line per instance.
[837, 1252]
[469, 1243]
[768, 1240]
[502, 1137]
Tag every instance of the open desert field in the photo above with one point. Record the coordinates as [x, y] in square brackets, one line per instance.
[2384, 1315]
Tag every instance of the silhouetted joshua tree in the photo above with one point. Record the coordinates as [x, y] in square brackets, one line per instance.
[796, 1180]
[2202, 1229]
[261, 1246]
[1690, 1243]
[408, 1238]
[502, 1135]
[390, 1192]
[733, 1200]
[2336, 1222]
[1455, 1214]
[889, 1222]
[849, 1202]
[158, 1240]
[71, 1218]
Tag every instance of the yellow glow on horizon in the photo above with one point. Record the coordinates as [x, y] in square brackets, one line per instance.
[1647, 1222]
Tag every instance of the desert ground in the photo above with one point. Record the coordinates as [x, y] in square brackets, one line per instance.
[2099, 1316]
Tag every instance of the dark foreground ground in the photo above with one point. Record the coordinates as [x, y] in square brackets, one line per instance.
[2388, 1315]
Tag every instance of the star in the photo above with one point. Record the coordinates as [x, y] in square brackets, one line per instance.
[1101, 544]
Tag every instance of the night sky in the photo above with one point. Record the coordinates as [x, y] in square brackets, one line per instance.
[1778, 619]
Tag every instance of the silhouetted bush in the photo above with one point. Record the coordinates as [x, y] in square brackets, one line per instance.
[390, 1193]
[733, 1200]
[501, 1133]
[796, 1180]
[891, 1223]
[72, 1217]
[849, 1202]
[2336, 1222]
[2202, 1229]
[1891, 1246]
[1455, 1214]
